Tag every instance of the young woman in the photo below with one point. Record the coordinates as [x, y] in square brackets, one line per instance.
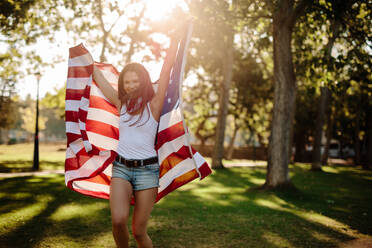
[136, 169]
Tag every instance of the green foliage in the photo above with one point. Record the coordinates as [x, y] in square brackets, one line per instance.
[345, 69]
[27, 113]
[7, 110]
[55, 101]
[251, 99]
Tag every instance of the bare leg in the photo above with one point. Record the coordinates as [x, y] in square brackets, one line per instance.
[145, 200]
[120, 196]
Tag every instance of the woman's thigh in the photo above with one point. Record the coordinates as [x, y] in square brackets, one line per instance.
[120, 197]
[144, 202]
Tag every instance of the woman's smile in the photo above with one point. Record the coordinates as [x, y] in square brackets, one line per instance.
[131, 82]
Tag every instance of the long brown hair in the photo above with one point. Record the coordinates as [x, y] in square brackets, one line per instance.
[138, 101]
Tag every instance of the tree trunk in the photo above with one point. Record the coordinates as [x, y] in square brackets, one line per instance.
[323, 100]
[284, 98]
[300, 145]
[230, 150]
[316, 164]
[367, 164]
[330, 122]
[357, 140]
[102, 57]
[136, 26]
[223, 102]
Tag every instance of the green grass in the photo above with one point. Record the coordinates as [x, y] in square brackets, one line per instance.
[19, 157]
[224, 210]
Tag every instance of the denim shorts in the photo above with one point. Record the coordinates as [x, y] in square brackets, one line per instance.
[143, 177]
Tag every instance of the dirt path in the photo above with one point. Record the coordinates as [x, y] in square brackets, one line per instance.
[358, 243]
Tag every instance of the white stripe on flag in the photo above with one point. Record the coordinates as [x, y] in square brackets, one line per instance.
[86, 185]
[82, 125]
[84, 104]
[95, 91]
[103, 116]
[169, 119]
[110, 77]
[169, 147]
[69, 153]
[72, 105]
[76, 146]
[87, 145]
[102, 141]
[180, 169]
[72, 127]
[82, 60]
[77, 83]
[108, 171]
[89, 167]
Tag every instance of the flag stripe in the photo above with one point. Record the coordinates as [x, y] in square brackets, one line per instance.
[80, 71]
[102, 128]
[98, 102]
[76, 51]
[103, 142]
[170, 133]
[77, 83]
[74, 94]
[100, 115]
[92, 130]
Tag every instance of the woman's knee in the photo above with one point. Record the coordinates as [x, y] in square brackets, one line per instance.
[140, 236]
[119, 221]
[139, 231]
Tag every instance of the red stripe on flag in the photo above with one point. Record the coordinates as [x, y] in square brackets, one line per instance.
[101, 103]
[83, 115]
[86, 92]
[102, 128]
[75, 163]
[80, 71]
[77, 51]
[74, 94]
[71, 116]
[169, 134]
[204, 170]
[71, 137]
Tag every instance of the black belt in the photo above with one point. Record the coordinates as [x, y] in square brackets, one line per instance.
[136, 162]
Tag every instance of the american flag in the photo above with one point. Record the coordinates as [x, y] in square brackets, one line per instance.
[92, 129]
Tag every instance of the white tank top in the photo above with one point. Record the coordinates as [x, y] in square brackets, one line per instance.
[137, 141]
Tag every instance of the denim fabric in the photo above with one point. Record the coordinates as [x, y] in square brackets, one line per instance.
[143, 177]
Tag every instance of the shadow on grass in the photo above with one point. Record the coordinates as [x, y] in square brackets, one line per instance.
[244, 218]
[343, 195]
[50, 194]
[220, 211]
[13, 166]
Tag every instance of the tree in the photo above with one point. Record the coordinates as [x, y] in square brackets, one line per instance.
[334, 11]
[55, 101]
[214, 53]
[284, 14]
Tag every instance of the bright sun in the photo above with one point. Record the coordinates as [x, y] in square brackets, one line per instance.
[156, 9]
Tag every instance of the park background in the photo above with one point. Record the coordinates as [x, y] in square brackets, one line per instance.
[277, 96]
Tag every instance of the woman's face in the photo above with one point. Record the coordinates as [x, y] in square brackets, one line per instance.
[130, 82]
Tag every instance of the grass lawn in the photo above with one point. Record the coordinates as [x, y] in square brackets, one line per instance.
[329, 208]
[19, 157]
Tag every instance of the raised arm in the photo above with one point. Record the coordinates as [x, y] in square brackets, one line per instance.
[158, 100]
[108, 91]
